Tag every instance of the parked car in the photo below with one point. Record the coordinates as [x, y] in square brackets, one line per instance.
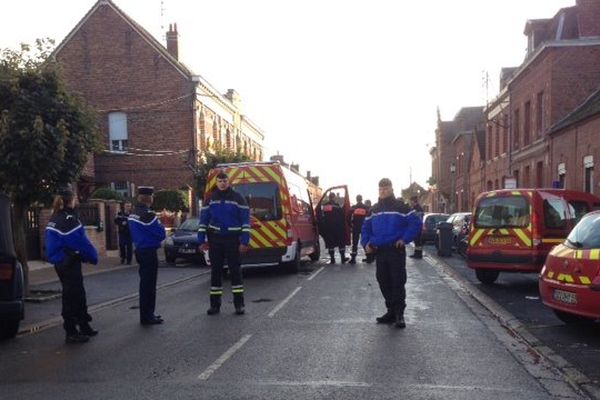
[514, 230]
[183, 243]
[570, 279]
[12, 308]
[460, 227]
[430, 221]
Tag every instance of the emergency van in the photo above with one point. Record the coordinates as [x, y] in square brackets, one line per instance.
[283, 226]
[570, 279]
[514, 230]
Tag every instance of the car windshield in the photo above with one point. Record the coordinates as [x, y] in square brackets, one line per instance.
[586, 234]
[433, 220]
[497, 212]
[190, 224]
[263, 200]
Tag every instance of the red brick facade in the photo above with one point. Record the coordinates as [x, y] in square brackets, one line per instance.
[171, 114]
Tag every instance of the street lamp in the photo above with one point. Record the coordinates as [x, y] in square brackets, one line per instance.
[452, 178]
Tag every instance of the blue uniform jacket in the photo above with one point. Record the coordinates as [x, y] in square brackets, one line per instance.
[65, 235]
[390, 221]
[225, 214]
[146, 230]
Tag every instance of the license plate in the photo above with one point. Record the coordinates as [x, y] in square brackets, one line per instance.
[500, 241]
[187, 251]
[565, 297]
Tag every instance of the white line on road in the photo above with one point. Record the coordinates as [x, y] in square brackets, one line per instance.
[280, 305]
[316, 273]
[315, 383]
[221, 360]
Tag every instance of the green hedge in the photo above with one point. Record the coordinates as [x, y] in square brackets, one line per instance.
[172, 200]
[106, 194]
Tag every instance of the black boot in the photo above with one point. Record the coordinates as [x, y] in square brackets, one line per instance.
[352, 258]
[332, 256]
[87, 330]
[417, 254]
[215, 305]
[343, 256]
[76, 337]
[386, 318]
[238, 302]
[399, 320]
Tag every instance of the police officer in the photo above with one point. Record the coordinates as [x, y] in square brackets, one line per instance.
[147, 234]
[225, 222]
[369, 257]
[386, 232]
[332, 227]
[67, 247]
[356, 217]
[414, 203]
[125, 244]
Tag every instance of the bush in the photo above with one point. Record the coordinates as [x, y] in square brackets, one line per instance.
[106, 194]
[172, 200]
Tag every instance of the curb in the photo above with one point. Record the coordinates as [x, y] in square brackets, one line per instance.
[573, 376]
[92, 272]
[52, 322]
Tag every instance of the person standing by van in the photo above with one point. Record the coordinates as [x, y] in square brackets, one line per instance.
[225, 222]
[147, 233]
[125, 243]
[332, 227]
[386, 232]
[67, 247]
[356, 217]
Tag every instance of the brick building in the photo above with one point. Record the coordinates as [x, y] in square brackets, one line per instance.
[156, 116]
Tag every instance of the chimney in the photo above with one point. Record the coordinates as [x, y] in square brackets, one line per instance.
[295, 167]
[308, 175]
[588, 14]
[173, 41]
[235, 99]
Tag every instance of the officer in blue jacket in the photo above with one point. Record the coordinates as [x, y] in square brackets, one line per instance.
[225, 222]
[67, 247]
[147, 234]
[390, 226]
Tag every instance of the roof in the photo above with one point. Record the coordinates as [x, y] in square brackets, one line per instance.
[589, 108]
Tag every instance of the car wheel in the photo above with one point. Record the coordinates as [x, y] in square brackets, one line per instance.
[293, 266]
[573, 319]
[170, 258]
[9, 328]
[487, 276]
[315, 255]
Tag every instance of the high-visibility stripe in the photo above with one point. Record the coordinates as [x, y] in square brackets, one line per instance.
[258, 236]
[585, 280]
[259, 174]
[595, 254]
[216, 292]
[565, 277]
[253, 243]
[273, 174]
[550, 274]
[278, 229]
[267, 232]
[579, 254]
[504, 231]
[234, 228]
[491, 194]
[476, 236]
[516, 193]
[552, 240]
[524, 238]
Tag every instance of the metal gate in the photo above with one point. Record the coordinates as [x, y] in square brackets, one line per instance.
[33, 234]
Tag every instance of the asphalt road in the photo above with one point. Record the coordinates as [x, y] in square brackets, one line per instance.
[305, 336]
[518, 293]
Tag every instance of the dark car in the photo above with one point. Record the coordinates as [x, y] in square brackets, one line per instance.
[460, 226]
[183, 243]
[430, 221]
[12, 309]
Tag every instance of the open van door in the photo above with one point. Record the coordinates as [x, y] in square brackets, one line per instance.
[343, 199]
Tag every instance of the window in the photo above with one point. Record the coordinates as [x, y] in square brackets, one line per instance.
[527, 124]
[496, 212]
[516, 176]
[586, 235]
[562, 174]
[578, 209]
[117, 132]
[263, 200]
[539, 175]
[515, 124]
[489, 142]
[497, 145]
[588, 165]
[555, 215]
[505, 134]
[527, 177]
[539, 114]
[122, 188]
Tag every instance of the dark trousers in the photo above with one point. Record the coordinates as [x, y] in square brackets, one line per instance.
[391, 275]
[148, 271]
[74, 304]
[125, 248]
[222, 250]
[355, 240]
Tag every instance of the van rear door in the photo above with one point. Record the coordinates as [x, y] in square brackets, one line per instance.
[343, 200]
[502, 222]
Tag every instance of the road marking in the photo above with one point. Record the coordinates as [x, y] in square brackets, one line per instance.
[316, 273]
[221, 360]
[315, 383]
[280, 305]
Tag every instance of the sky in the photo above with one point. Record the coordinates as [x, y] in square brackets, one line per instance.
[348, 89]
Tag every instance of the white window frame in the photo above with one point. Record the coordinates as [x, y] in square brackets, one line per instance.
[588, 163]
[117, 132]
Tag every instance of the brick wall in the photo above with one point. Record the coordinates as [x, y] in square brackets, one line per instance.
[588, 13]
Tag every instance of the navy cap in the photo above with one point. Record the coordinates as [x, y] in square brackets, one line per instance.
[147, 190]
[385, 182]
[66, 191]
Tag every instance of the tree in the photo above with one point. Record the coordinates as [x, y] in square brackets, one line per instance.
[106, 193]
[171, 200]
[46, 133]
[209, 161]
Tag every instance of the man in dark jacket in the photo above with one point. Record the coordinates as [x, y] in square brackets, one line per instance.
[332, 227]
[356, 217]
[386, 231]
[125, 243]
[414, 203]
[147, 233]
[225, 221]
